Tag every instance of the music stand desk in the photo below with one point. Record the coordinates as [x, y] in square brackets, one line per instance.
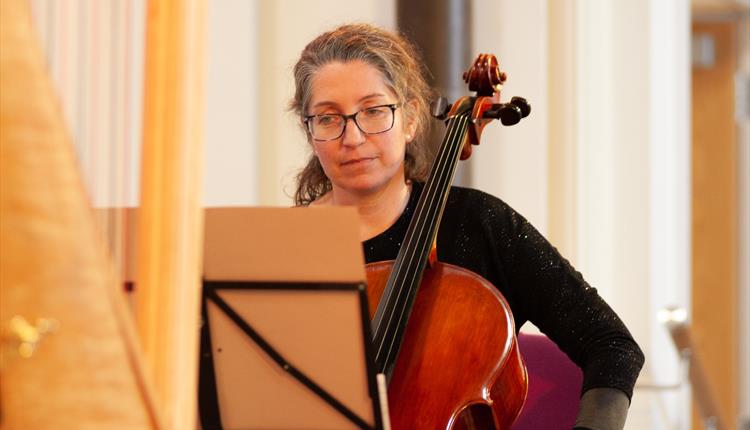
[286, 334]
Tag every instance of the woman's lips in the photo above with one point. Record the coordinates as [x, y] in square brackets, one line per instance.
[358, 161]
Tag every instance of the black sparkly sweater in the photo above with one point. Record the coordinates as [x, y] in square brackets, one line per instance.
[481, 233]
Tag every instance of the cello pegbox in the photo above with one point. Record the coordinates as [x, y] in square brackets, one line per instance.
[478, 122]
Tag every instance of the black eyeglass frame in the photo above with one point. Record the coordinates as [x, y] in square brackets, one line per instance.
[353, 117]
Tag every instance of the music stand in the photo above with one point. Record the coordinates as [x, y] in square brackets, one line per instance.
[285, 341]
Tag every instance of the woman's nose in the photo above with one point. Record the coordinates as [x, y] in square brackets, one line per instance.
[353, 136]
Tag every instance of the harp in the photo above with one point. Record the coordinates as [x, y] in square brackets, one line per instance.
[74, 129]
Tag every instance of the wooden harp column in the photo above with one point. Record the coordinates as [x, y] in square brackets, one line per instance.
[170, 223]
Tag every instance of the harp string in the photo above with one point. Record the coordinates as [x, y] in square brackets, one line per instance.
[94, 52]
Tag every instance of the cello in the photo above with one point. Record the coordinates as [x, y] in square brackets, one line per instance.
[456, 364]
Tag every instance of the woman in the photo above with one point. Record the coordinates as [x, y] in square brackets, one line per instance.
[363, 103]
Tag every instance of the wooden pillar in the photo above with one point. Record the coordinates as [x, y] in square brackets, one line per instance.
[714, 223]
[170, 217]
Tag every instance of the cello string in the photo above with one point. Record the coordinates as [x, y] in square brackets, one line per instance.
[388, 308]
[441, 180]
[435, 188]
[447, 158]
[383, 330]
[420, 242]
[412, 239]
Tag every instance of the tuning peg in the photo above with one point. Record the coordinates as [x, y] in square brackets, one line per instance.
[507, 113]
[522, 104]
[440, 108]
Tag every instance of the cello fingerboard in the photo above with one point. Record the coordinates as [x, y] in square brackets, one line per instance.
[395, 305]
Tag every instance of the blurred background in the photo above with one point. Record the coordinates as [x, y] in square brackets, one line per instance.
[634, 161]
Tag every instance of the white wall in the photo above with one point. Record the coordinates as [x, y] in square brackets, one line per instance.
[670, 189]
[231, 109]
[511, 162]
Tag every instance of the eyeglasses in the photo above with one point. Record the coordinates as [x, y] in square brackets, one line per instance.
[371, 120]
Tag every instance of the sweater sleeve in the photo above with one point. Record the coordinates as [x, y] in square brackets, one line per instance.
[549, 292]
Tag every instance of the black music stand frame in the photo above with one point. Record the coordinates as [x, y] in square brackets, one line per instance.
[209, 408]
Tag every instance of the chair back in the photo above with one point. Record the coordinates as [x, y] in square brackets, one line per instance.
[554, 385]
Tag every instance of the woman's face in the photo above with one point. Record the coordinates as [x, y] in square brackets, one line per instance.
[356, 162]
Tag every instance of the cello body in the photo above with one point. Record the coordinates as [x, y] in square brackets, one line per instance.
[459, 366]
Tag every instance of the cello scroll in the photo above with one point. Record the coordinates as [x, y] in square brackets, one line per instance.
[486, 79]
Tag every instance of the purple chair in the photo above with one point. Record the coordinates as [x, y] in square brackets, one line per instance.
[554, 386]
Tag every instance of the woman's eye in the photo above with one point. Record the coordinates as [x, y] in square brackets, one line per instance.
[374, 112]
[326, 120]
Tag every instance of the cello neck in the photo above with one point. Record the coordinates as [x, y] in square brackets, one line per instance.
[395, 305]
